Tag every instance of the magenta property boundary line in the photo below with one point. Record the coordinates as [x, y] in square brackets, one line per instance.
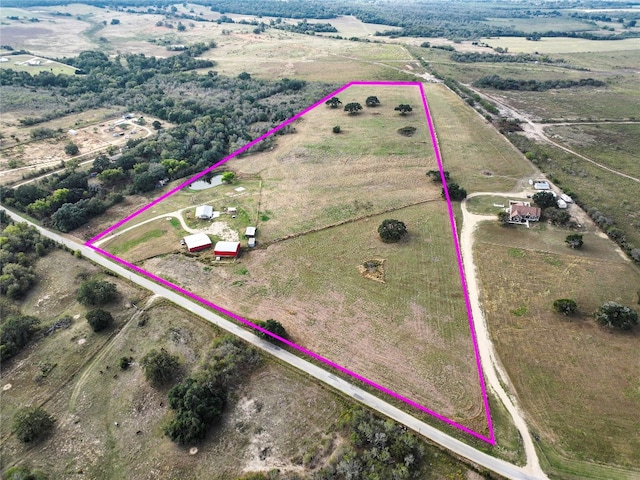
[491, 438]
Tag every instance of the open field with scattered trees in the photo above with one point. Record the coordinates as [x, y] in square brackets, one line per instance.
[239, 75]
[310, 263]
[517, 268]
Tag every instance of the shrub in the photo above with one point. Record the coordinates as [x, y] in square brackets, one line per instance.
[99, 319]
[614, 315]
[391, 230]
[565, 306]
[32, 423]
[336, 129]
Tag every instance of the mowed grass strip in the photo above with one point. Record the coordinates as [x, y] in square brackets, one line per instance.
[154, 238]
[577, 381]
[471, 147]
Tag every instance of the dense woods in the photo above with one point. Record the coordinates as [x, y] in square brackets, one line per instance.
[213, 117]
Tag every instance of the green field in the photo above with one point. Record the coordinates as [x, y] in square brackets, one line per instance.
[19, 64]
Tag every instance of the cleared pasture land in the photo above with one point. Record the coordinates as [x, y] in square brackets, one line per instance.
[478, 157]
[561, 45]
[410, 334]
[577, 382]
[316, 178]
[613, 145]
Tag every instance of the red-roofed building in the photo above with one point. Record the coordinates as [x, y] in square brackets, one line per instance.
[227, 249]
[520, 212]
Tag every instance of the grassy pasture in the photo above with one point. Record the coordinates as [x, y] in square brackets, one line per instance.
[19, 64]
[561, 45]
[413, 328]
[614, 101]
[470, 146]
[367, 168]
[613, 145]
[278, 54]
[584, 409]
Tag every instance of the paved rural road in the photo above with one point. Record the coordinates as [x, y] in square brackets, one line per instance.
[482, 459]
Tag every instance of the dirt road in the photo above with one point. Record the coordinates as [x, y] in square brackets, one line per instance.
[496, 376]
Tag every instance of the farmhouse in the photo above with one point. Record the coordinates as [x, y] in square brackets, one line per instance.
[541, 185]
[227, 249]
[204, 212]
[522, 213]
[197, 242]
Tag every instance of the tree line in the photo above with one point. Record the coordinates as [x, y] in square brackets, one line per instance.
[477, 57]
[500, 83]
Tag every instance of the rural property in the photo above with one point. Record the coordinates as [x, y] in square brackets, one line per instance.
[305, 214]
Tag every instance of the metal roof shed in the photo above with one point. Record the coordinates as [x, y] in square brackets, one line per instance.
[204, 212]
[226, 249]
[197, 242]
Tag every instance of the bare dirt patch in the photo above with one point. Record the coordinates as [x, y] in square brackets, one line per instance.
[373, 269]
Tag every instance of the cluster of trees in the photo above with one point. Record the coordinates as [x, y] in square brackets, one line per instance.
[378, 449]
[62, 200]
[609, 314]
[20, 246]
[500, 83]
[476, 57]
[199, 400]
[305, 27]
[16, 333]
[455, 191]
[95, 293]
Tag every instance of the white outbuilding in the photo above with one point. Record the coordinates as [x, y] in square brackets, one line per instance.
[204, 212]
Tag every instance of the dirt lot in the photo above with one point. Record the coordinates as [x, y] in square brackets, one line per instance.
[25, 157]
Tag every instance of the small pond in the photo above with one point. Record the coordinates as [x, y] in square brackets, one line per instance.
[203, 184]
